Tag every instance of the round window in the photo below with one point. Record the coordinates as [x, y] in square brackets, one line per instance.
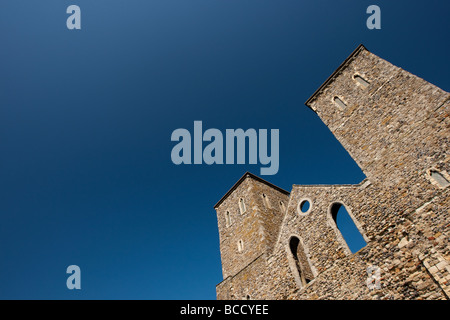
[304, 206]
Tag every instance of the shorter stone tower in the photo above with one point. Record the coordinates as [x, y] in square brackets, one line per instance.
[249, 218]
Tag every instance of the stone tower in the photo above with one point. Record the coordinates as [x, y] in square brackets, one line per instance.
[249, 216]
[392, 123]
[396, 127]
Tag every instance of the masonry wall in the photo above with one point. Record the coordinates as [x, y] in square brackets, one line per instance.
[395, 129]
[243, 227]
[257, 228]
[397, 246]
[412, 255]
[396, 126]
[270, 212]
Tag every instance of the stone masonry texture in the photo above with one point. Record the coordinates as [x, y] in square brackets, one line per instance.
[396, 127]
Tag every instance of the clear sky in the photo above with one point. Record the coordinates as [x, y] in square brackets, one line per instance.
[86, 117]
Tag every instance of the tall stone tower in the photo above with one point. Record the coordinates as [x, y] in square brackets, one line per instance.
[396, 126]
[392, 123]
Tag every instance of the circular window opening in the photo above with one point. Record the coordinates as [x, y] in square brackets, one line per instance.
[304, 206]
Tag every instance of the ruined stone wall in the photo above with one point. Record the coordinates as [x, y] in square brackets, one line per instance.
[396, 126]
[398, 244]
[266, 278]
[412, 254]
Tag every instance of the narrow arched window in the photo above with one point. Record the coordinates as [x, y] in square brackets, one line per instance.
[227, 219]
[346, 227]
[439, 179]
[361, 81]
[341, 104]
[240, 246]
[242, 206]
[282, 206]
[266, 200]
[302, 269]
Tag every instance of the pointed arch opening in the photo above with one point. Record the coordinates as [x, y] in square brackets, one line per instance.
[347, 228]
[301, 268]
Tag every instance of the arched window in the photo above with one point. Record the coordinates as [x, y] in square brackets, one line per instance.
[227, 219]
[341, 104]
[439, 179]
[282, 207]
[242, 206]
[302, 270]
[346, 227]
[266, 201]
[361, 81]
[240, 246]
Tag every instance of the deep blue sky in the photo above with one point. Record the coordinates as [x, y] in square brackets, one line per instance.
[86, 117]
